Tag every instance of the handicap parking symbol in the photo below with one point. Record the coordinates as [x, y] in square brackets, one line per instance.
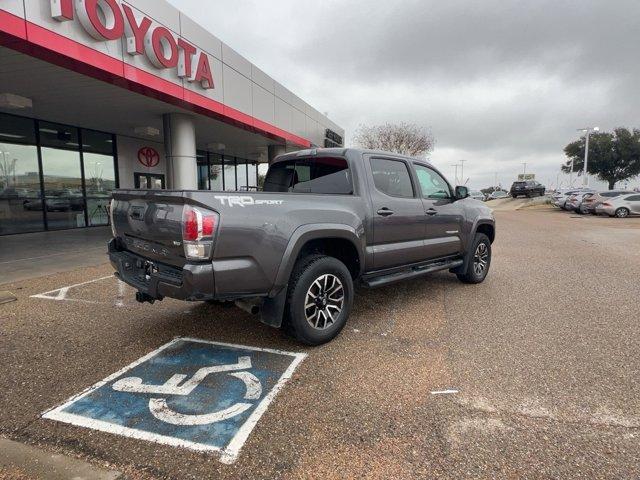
[205, 396]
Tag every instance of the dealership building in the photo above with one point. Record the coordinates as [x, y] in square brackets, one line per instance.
[104, 94]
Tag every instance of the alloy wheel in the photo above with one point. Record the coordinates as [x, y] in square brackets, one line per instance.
[324, 301]
[481, 259]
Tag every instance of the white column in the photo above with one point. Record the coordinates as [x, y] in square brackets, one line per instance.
[180, 148]
[275, 151]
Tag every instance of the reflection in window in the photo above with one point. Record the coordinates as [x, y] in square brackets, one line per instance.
[60, 136]
[99, 174]
[97, 142]
[432, 184]
[215, 173]
[392, 177]
[242, 174]
[62, 173]
[252, 181]
[20, 202]
[229, 175]
[63, 188]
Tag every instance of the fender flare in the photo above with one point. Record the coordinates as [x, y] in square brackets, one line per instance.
[305, 233]
[472, 235]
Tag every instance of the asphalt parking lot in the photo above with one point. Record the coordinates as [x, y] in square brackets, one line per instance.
[532, 374]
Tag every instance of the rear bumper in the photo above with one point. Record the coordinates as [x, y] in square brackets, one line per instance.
[600, 210]
[194, 282]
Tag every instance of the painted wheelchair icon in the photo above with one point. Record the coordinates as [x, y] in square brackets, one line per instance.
[160, 409]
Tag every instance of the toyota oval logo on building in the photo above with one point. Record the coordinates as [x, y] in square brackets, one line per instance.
[149, 157]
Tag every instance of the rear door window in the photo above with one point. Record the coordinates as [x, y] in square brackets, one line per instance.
[392, 177]
[633, 198]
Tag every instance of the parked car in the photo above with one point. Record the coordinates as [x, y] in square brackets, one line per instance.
[529, 188]
[327, 218]
[560, 199]
[590, 204]
[54, 204]
[574, 202]
[497, 194]
[477, 195]
[621, 207]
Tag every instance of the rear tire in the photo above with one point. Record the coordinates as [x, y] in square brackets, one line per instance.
[622, 213]
[319, 300]
[480, 261]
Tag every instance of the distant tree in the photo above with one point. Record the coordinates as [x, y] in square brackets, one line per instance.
[403, 138]
[613, 157]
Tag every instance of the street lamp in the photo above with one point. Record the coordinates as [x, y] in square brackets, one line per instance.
[524, 172]
[456, 165]
[462, 172]
[587, 131]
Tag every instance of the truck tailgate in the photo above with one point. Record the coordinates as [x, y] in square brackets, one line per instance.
[149, 223]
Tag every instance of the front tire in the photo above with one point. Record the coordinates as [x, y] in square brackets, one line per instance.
[480, 262]
[319, 300]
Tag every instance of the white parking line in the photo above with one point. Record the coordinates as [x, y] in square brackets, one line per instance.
[60, 294]
[444, 392]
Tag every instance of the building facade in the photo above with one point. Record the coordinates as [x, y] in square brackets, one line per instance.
[104, 94]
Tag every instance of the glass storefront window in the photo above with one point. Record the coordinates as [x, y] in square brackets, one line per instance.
[68, 199]
[252, 180]
[215, 172]
[229, 174]
[99, 174]
[100, 181]
[242, 174]
[203, 170]
[97, 142]
[64, 199]
[20, 202]
[59, 136]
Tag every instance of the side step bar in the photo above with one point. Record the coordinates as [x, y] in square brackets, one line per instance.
[380, 280]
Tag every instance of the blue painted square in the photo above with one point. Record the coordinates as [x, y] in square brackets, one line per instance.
[201, 395]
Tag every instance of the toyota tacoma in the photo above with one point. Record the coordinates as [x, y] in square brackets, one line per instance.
[326, 220]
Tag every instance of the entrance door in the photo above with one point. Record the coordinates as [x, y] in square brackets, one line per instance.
[149, 181]
[398, 214]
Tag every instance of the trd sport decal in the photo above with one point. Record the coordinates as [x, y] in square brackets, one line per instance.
[246, 201]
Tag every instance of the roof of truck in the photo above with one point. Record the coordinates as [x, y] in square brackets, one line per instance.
[343, 152]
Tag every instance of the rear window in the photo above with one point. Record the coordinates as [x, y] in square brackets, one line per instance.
[329, 175]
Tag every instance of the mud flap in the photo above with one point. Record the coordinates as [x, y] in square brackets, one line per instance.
[272, 311]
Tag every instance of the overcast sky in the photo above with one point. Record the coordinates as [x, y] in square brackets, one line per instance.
[498, 82]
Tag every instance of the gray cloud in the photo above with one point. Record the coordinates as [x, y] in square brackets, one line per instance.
[499, 82]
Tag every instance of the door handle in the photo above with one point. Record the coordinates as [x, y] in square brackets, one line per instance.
[431, 212]
[385, 212]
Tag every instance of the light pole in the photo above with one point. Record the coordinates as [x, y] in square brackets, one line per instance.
[456, 165]
[462, 170]
[524, 172]
[587, 131]
[495, 181]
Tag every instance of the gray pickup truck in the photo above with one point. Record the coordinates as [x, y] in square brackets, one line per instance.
[326, 220]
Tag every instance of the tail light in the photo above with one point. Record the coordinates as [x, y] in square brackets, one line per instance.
[199, 228]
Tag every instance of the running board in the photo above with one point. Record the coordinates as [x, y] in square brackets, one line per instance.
[374, 281]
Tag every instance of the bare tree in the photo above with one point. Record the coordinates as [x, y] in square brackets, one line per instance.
[403, 138]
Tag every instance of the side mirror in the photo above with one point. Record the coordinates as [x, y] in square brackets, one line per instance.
[461, 192]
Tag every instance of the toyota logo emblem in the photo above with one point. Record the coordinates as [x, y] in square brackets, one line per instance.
[149, 157]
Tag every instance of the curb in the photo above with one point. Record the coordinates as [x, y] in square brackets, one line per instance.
[39, 464]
